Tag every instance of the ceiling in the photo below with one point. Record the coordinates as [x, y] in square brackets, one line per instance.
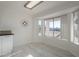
[38, 10]
[49, 7]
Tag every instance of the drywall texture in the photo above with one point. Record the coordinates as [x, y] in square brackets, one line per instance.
[12, 14]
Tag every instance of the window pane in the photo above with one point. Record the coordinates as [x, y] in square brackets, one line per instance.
[57, 27]
[76, 29]
[49, 27]
[39, 28]
[39, 22]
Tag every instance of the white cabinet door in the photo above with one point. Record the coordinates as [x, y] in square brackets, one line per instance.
[7, 44]
[0, 46]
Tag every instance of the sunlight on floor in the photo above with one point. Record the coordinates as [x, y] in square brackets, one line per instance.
[29, 55]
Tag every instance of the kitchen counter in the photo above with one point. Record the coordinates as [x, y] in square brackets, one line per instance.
[3, 33]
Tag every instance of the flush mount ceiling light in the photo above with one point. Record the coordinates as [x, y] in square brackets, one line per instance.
[32, 4]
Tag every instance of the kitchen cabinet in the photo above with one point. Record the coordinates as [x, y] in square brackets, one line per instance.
[6, 44]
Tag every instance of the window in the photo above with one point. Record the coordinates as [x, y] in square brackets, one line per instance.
[76, 28]
[39, 22]
[49, 27]
[39, 27]
[53, 27]
[57, 27]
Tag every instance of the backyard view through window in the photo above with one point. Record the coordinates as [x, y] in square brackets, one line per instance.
[48, 27]
[53, 27]
[57, 27]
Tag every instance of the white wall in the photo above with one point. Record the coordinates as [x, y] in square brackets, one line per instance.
[12, 14]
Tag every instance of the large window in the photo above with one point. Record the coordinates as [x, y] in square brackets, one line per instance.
[48, 27]
[53, 27]
[76, 28]
[57, 27]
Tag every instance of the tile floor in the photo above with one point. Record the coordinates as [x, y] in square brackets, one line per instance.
[38, 50]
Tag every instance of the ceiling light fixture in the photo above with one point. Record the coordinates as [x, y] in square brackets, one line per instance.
[32, 4]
